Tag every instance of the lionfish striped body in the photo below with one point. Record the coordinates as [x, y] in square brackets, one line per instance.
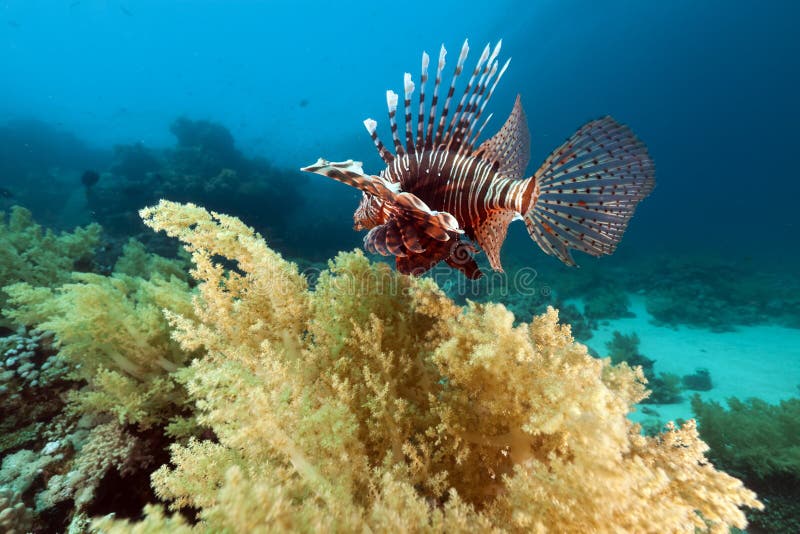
[438, 189]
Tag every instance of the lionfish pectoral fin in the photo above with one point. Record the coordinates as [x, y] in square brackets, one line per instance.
[351, 173]
[402, 205]
[588, 189]
[491, 233]
[509, 149]
[410, 231]
[414, 215]
[386, 240]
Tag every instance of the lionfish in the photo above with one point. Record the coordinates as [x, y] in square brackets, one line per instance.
[439, 194]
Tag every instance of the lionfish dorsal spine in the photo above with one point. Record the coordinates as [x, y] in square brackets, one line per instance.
[476, 112]
[408, 90]
[446, 109]
[480, 131]
[489, 70]
[489, 97]
[453, 132]
[477, 92]
[435, 99]
[455, 122]
[391, 104]
[423, 79]
[372, 128]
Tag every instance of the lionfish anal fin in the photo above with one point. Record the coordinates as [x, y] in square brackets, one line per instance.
[509, 149]
[491, 233]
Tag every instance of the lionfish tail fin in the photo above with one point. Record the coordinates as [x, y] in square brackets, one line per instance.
[587, 190]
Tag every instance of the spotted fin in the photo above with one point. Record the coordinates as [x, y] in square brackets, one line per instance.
[509, 149]
[588, 189]
[491, 233]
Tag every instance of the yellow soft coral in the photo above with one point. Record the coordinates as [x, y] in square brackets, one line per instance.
[29, 253]
[374, 403]
[112, 332]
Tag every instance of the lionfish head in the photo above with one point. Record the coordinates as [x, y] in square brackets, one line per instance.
[369, 213]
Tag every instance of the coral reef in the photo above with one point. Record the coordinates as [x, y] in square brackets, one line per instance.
[40, 166]
[376, 403]
[25, 366]
[752, 438]
[204, 166]
[207, 138]
[41, 257]
[719, 295]
[606, 301]
[46, 489]
[372, 401]
[106, 446]
[112, 333]
[134, 163]
[665, 388]
[681, 288]
[581, 325]
[89, 388]
[518, 290]
[760, 443]
[15, 517]
[33, 382]
[700, 380]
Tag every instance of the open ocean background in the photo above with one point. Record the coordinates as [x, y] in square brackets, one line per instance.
[711, 87]
[108, 105]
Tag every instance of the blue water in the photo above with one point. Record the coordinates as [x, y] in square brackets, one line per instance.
[710, 86]
[706, 276]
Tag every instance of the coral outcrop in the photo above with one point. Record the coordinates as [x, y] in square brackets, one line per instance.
[205, 166]
[760, 443]
[374, 403]
[29, 253]
[111, 332]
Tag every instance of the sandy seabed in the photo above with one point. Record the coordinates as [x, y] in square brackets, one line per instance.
[754, 361]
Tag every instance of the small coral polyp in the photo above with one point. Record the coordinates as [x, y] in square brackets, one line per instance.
[355, 408]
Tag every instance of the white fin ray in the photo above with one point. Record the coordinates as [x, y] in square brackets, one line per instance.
[438, 129]
[446, 110]
[421, 114]
[454, 129]
[434, 102]
[391, 104]
[408, 90]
